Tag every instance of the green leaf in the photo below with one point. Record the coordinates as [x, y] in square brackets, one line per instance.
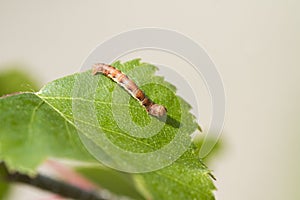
[31, 131]
[187, 178]
[118, 183]
[12, 80]
[79, 107]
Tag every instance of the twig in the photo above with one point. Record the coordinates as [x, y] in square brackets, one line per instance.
[55, 186]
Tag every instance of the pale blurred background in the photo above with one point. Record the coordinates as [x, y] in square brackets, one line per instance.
[254, 44]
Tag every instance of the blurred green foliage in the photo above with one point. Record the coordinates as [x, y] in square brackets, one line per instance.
[4, 186]
[15, 80]
[217, 148]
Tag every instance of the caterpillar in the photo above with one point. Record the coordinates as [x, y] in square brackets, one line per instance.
[124, 81]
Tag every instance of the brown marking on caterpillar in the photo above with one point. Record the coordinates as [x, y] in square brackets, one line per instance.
[147, 103]
[140, 95]
[124, 81]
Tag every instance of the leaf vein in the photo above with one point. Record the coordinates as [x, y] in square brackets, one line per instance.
[88, 100]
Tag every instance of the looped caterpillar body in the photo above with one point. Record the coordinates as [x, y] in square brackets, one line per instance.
[124, 81]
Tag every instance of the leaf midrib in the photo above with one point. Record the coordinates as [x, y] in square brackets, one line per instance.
[70, 122]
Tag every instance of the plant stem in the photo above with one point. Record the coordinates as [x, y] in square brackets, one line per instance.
[55, 186]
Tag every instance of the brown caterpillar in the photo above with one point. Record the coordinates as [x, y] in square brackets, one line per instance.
[123, 80]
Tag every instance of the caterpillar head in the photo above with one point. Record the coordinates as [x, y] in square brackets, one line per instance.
[157, 110]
